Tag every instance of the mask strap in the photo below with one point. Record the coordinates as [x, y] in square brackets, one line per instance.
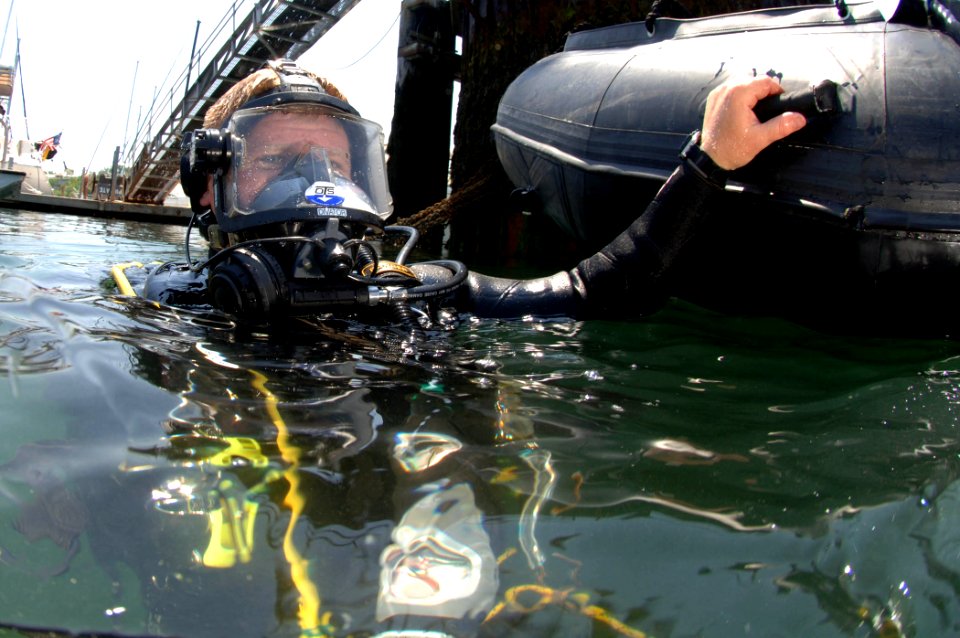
[292, 77]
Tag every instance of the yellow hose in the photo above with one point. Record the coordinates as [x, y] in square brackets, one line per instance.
[120, 277]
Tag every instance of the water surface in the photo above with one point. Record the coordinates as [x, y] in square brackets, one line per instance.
[164, 473]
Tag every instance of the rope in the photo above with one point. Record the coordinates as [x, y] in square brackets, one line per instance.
[444, 210]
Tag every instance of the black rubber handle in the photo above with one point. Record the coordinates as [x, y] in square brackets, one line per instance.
[821, 99]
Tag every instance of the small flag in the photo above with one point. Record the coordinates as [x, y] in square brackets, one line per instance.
[48, 147]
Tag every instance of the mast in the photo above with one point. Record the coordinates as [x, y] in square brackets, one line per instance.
[8, 76]
[5, 27]
[126, 127]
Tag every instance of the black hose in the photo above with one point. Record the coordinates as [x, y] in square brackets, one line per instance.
[186, 242]
[414, 237]
[403, 315]
[820, 100]
[226, 252]
[439, 288]
[366, 256]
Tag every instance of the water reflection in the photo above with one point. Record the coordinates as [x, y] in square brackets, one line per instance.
[313, 458]
[168, 473]
[440, 563]
[49, 508]
[418, 451]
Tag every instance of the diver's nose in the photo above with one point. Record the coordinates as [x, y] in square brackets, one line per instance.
[314, 164]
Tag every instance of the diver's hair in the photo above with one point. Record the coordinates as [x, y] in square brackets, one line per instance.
[255, 84]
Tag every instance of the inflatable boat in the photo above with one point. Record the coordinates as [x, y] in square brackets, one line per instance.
[854, 220]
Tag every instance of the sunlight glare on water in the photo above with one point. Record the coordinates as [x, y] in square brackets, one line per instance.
[164, 472]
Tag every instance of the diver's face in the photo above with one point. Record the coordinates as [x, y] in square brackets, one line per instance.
[279, 139]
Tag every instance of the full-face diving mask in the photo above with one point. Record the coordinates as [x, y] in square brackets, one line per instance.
[302, 162]
[290, 156]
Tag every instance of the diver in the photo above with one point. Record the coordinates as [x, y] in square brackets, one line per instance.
[288, 185]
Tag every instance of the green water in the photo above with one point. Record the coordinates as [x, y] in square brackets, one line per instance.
[687, 475]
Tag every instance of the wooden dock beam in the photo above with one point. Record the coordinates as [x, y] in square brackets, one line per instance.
[419, 145]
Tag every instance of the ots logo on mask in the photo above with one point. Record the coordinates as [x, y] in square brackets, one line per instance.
[323, 194]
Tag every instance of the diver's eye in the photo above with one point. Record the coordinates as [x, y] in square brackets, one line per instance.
[340, 161]
[272, 162]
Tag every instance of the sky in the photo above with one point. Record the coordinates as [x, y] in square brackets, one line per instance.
[92, 70]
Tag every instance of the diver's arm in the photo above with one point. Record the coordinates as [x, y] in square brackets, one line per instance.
[623, 279]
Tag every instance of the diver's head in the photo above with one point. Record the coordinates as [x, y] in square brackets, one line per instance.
[296, 181]
[283, 151]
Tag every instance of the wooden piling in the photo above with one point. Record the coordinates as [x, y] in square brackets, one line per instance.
[419, 144]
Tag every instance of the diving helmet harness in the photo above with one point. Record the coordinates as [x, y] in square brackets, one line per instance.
[309, 241]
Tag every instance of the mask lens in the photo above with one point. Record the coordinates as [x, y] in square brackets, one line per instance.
[315, 166]
[298, 162]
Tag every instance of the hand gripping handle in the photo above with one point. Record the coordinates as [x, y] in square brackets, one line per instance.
[822, 99]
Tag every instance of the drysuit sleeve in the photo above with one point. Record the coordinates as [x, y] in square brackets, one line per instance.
[625, 279]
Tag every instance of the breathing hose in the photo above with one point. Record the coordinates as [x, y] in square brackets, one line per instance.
[414, 237]
[429, 291]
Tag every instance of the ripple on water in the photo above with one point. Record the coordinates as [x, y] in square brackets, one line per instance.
[682, 469]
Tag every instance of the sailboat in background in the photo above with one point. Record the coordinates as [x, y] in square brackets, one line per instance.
[22, 163]
[10, 180]
[20, 166]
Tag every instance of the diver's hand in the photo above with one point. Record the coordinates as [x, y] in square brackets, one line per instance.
[731, 134]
